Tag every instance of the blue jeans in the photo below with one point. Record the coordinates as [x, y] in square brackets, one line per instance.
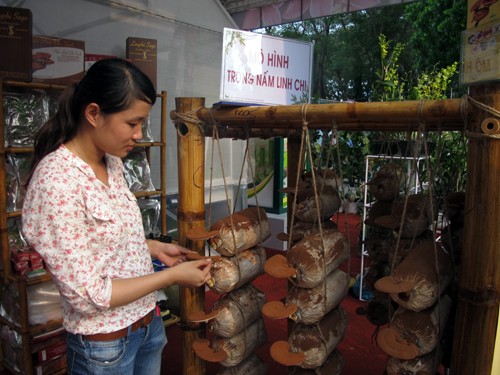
[138, 353]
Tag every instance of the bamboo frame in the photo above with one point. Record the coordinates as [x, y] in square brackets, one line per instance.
[163, 162]
[446, 114]
[478, 295]
[478, 305]
[191, 213]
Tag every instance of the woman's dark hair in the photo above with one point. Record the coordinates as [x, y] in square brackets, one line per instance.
[113, 84]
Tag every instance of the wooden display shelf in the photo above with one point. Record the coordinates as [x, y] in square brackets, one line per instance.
[34, 85]
[50, 326]
[26, 330]
[7, 368]
[148, 144]
[151, 193]
[34, 330]
[29, 281]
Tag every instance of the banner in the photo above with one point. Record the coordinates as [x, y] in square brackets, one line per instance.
[267, 70]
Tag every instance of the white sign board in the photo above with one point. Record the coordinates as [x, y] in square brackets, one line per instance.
[262, 69]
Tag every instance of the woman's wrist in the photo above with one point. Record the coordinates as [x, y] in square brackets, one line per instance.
[152, 247]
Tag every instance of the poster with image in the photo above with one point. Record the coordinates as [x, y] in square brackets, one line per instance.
[268, 174]
[480, 54]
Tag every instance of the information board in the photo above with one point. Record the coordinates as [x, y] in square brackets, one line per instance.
[262, 69]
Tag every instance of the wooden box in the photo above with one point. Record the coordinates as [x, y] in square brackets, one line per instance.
[48, 345]
[143, 53]
[57, 61]
[15, 43]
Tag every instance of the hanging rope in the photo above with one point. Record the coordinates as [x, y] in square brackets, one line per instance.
[434, 229]
[300, 166]
[211, 179]
[190, 117]
[305, 139]
[250, 166]
[216, 137]
[241, 174]
[485, 108]
[336, 139]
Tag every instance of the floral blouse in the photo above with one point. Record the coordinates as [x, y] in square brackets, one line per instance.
[88, 234]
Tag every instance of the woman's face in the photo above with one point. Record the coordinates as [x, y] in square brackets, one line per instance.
[117, 133]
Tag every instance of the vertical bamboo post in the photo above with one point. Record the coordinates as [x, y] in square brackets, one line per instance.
[191, 213]
[479, 281]
[163, 158]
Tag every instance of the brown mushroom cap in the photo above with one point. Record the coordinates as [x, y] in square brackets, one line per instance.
[278, 310]
[201, 316]
[278, 266]
[280, 352]
[199, 234]
[391, 342]
[203, 350]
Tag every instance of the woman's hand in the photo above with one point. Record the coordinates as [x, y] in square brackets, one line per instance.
[192, 273]
[168, 253]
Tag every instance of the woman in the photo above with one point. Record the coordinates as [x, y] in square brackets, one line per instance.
[81, 217]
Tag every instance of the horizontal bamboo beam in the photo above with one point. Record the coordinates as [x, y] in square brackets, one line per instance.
[34, 85]
[448, 114]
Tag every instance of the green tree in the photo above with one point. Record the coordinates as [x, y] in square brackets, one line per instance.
[346, 46]
[437, 26]
[346, 51]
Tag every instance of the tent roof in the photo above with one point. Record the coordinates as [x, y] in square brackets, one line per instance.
[254, 14]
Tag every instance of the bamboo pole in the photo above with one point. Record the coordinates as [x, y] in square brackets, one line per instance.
[445, 114]
[163, 158]
[243, 132]
[191, 213]
[479, 282]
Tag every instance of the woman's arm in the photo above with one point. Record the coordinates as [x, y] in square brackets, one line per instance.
[190, 274]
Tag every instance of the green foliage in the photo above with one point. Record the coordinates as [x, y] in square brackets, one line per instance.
[437, 26]
[434, 84]
[397, 52]
[344, 152]
[347, 54]
[449, 163]
[388, 86]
